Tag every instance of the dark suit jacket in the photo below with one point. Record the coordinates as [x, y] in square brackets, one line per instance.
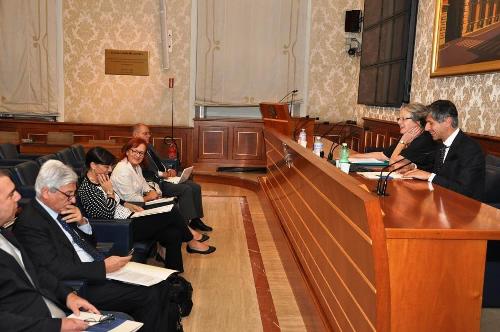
[420, 151]
[48, 247]
[463, 170]
[21, 305]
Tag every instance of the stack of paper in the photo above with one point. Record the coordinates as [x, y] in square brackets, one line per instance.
[160, 201]
[368, 161]
[140, 274]
[376, 175]
[160, 209]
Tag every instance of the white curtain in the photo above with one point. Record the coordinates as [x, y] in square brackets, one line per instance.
[28, 82]
[249, 51]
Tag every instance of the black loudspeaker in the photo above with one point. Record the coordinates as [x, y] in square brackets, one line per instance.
[352, 21]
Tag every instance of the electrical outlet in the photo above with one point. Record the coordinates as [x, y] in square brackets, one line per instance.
[170, 40]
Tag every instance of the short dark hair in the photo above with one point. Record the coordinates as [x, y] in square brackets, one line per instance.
[442, 109]
[99, 155]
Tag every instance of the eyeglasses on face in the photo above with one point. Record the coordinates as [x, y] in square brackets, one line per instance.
[137, 152]
[402, 119]
[68, 196]
[102, 319]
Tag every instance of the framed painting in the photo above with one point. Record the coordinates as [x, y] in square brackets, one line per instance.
[466, 37]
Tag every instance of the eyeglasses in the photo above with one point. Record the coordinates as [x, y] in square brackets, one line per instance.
[68, 196]
[402, 119]
[138, 153]
[102, 319]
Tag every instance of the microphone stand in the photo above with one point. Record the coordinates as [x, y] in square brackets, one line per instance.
[386, 180]
[378, 190]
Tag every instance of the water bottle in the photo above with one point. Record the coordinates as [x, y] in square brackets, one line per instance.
[344, 158]
[344, 153]
[303, 138]
[318, 146]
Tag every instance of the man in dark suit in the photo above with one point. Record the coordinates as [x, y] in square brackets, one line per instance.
[29, 299]
[459, 164]
[58, 238]
[189, 192]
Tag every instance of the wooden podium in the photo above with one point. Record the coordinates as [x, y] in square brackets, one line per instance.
[277, 116]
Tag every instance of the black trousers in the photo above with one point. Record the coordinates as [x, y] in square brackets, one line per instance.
[145, 304]
[189, 194]
[169, 229]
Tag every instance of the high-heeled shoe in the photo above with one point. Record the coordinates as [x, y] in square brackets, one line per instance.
[210, 250]
[203, 238]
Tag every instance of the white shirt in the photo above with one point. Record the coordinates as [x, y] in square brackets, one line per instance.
[447, 143]
[87, 229]
[129, 182]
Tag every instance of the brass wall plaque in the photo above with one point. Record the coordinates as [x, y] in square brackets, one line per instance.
[126, 62]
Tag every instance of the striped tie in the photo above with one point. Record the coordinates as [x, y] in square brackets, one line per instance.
[96, 255]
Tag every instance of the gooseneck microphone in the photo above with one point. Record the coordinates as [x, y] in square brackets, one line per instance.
[289, 93]
[378, 190]
[386, 180]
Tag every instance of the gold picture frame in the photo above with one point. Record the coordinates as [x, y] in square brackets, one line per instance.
[464, 38]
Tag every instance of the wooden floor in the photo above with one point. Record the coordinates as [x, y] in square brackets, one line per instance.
[243, 285]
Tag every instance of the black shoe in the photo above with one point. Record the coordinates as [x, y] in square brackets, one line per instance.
[204, 237]
[198, 224]
[210, 250]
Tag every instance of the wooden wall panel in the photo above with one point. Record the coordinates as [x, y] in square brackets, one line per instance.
[83, 132]
[381, 133]
[229, 142]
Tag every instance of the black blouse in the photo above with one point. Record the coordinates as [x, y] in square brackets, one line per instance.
[421, 151]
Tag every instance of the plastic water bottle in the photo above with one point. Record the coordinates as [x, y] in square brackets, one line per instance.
[303, 138]
[344, 158]
[318, 146]
[344, 154]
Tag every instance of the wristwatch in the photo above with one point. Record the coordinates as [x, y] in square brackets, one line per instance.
[402, 142]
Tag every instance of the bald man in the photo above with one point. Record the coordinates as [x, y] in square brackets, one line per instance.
[189, 193]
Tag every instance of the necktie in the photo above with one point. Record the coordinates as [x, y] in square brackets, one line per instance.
[9, 248]
[442, 152]
[96, 255]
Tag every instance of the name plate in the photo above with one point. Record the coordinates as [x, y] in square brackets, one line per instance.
[126, 62]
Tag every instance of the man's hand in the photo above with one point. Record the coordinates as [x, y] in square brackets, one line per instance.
[133, 207]
[71, 325]
[418, 174]
[114, 263]
[73, 214]
[75, 303]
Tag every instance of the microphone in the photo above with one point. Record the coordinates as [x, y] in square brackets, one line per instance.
[378, 190]
[335, 145]
[386, 180]
[289, 93]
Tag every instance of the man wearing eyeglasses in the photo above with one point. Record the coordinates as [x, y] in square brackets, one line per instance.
[58, 238]
[29, 299]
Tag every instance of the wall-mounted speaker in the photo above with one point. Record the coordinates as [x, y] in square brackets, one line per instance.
[352, 21]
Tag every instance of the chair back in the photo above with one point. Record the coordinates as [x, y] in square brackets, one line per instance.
[68, 157]
[60, 138]
[79, 153]
[8, 151]
[24, 174]
[46, 157]
[492, 181]
[9, 137]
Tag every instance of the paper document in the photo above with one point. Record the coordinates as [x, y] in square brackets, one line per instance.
[371, 161]
[160, 201]
[156, 210]
[140, 274]
[376, 175]
[114, 325]
[186, 173]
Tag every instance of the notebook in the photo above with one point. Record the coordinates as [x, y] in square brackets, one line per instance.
[186, 173]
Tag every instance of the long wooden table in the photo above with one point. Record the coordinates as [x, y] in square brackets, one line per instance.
[410, 261]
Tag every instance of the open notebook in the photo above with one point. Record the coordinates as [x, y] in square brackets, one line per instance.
[186, 173]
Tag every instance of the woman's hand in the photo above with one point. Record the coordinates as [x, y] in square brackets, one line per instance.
[151, 195]
[133, 207]
[410, 135]
[105, 182]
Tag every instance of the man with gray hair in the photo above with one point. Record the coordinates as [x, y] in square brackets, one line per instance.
[459, 165]
[58, 238]
[30, 299]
